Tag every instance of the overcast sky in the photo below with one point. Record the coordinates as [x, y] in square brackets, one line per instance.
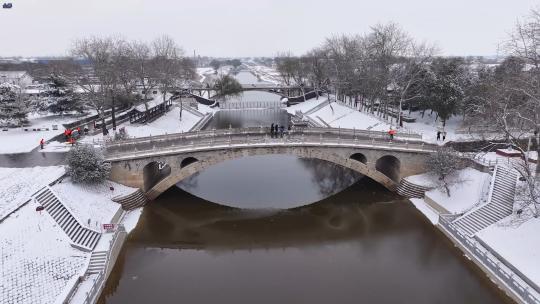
[254, 27]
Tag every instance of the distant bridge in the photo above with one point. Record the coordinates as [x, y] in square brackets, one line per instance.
[157, 163]
[270, 87]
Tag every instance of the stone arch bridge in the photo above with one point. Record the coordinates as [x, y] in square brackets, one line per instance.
[157, 163]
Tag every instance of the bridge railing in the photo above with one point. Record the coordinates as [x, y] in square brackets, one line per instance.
[292, 139]
[515, 281]
[339, 132]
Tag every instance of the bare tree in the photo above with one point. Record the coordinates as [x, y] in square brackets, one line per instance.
[409, 72]
[444, 164]
[144, 67]
[96, 84]
[167, 63]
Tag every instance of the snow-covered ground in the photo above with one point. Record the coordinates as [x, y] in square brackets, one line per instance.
[18, 184]
[91, 204]
[430, 214]
[471, 187]
[204, 72]
[38, 262]
[304, 107]
[168, 123]
[517, 242]
[266, 74]
[131, 219]
[426, 180]
[156, 100]
[16, 140]
[19, 141]
[338, 115]
[428, 127]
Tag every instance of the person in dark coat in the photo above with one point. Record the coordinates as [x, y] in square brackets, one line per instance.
[438, 135]
[272, 130]
[281, 130]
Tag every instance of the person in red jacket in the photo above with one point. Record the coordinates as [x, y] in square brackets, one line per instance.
[41, 143]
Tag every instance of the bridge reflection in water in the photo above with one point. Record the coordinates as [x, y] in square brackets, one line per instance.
[360, 245]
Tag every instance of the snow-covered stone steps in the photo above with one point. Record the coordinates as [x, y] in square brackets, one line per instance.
[131, 201]
[81, 237]
[410, 190]
[501, 203]
[98, 260]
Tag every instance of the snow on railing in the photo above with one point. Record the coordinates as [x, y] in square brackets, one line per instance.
[244, 140]
[515, 281]
[492, 186]
[264, 130]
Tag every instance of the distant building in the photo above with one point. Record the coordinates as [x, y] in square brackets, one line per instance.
[18, 78]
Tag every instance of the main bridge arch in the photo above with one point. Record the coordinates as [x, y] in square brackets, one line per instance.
[382, 166]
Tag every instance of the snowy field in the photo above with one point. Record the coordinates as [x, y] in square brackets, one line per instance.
[516, 242]
[341, 116]
[18, 184]
[307, 105]
[464, 195]
[38, 262]
[91, 204]
[427, 126]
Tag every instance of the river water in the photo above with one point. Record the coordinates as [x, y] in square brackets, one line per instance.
[278, 229]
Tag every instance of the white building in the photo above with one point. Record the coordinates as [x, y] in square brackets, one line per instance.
[18, 78]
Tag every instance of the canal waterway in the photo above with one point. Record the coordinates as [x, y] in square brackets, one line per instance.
[279, 229]
[360, 245]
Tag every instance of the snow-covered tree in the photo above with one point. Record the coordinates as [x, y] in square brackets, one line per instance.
[444, 163]
[227, 86]
[60, 97]
[447, 86]
[85, 164]
[14, 107]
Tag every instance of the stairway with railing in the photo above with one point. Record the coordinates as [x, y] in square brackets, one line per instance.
[80, 236]
[500, 203]
[98, 261]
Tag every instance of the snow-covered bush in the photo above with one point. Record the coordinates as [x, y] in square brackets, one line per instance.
[86, 165]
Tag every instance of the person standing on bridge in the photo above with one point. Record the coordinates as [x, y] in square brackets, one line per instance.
[272, 130]
[281, 130]
[391, 133]
[276, 130]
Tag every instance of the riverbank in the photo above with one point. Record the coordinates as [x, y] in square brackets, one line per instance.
[41, 262]
[506, 251]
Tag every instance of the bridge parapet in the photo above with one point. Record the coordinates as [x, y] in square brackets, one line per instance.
[258, 137]
[339, 132]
